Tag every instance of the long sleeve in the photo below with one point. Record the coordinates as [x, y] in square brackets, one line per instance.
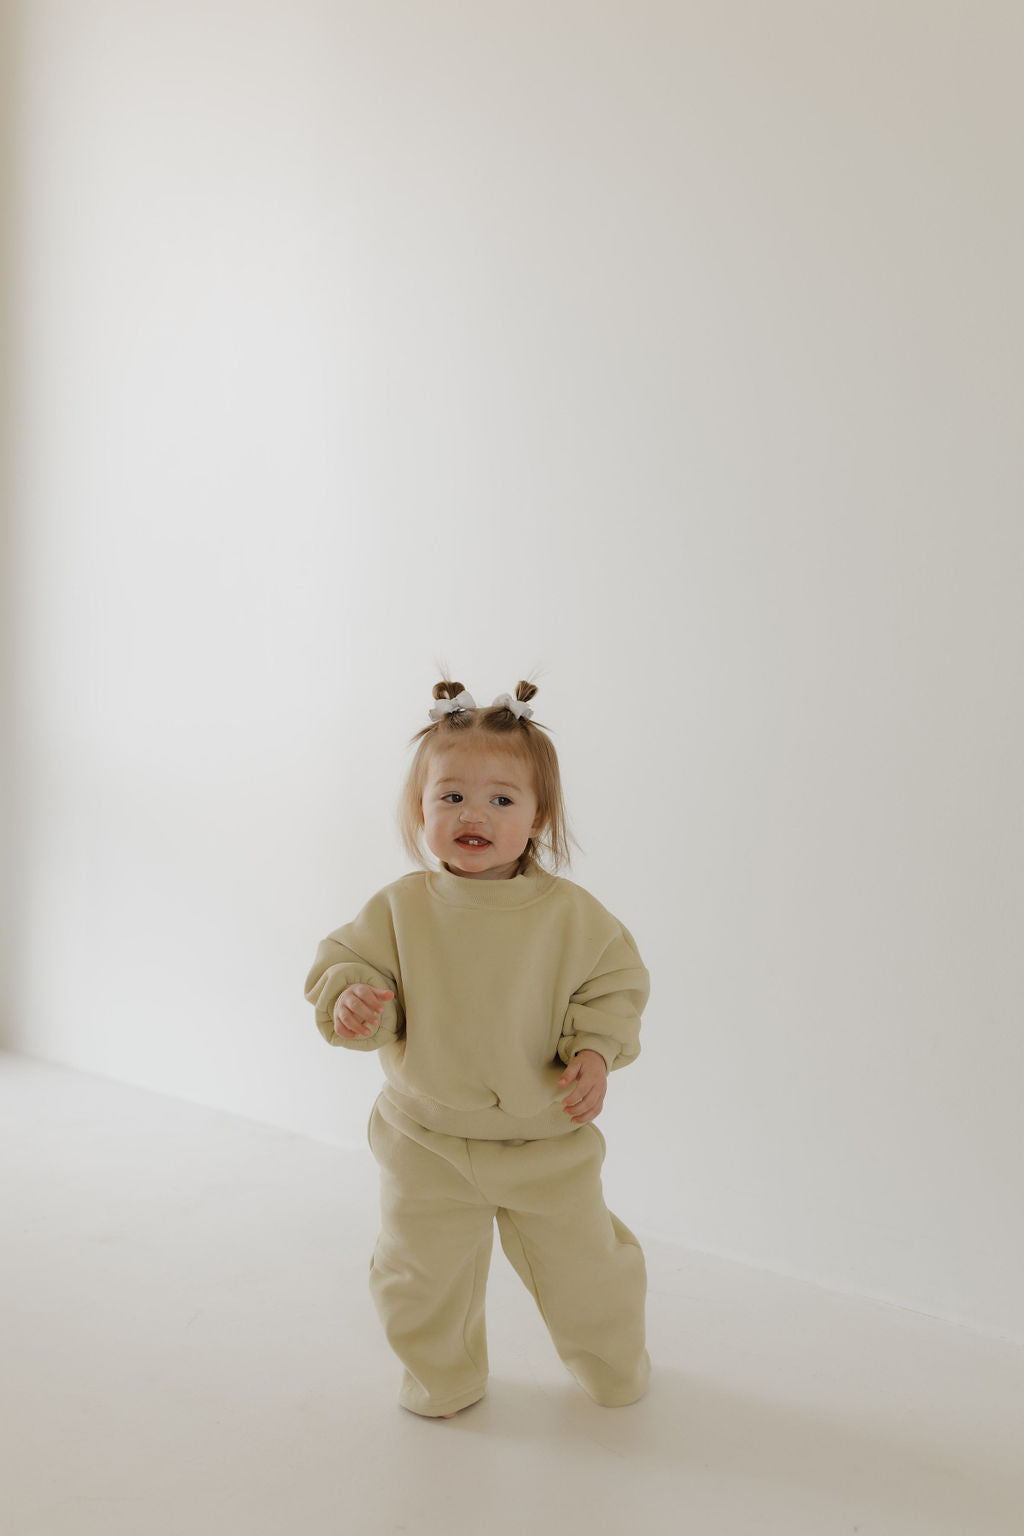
[604, 1013]
[361, 951]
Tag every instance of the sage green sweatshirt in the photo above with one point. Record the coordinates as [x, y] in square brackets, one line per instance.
[498, 984]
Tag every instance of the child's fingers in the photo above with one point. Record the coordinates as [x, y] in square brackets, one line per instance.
[585, 1104]
[350, 1028]
[350, 1021]
[359, 1007]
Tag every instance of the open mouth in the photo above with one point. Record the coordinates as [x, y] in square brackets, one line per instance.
[472, 842]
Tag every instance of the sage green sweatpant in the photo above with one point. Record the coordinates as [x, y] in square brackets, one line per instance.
[439, 1196]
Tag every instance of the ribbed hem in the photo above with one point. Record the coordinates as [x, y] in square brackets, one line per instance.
[609, 1394]
[490, 1124]
[422, 1404]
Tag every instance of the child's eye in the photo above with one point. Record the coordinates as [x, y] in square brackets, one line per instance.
[452, 792]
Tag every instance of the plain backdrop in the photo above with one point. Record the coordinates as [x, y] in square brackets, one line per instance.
[668, 352]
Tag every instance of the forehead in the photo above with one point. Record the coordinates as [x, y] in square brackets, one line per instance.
[461, 767]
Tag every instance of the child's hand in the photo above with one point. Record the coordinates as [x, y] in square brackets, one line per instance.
[590, 1072]
[357, 1011]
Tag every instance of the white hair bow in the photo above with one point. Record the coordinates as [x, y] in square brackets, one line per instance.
[517, 706]
[465, 700]
[444, 707]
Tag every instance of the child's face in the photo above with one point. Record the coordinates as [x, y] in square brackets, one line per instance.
[482, 792]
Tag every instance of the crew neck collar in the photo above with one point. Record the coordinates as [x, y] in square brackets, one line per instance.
[460, 891]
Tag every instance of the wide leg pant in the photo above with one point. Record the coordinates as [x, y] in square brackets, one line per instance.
[439, 1197]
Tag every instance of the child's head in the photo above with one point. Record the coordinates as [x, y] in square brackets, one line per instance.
[484, 770]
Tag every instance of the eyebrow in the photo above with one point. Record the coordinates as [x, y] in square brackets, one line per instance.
[501, 783]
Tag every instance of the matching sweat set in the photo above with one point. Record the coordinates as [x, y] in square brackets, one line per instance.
[497, 985]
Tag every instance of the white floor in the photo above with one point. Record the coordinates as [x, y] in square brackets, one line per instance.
[189, 1347]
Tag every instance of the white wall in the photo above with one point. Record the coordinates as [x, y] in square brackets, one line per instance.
[673, 349]
[8, 894]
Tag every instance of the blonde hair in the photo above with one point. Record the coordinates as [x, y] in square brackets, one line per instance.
[522, 740]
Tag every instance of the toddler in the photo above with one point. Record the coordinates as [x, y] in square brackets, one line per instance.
[500, 996]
